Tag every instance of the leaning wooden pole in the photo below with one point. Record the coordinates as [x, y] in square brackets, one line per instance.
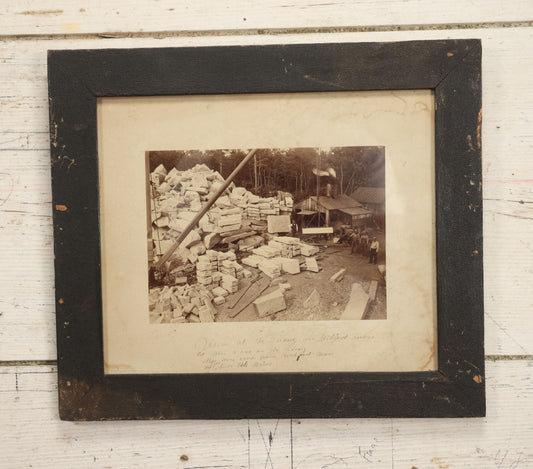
[165, 257]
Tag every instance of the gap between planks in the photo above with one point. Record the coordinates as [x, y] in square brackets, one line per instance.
[272, 31]
[490, 358]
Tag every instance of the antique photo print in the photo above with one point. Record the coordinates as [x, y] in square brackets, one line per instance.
[266, 234]
[297, 235]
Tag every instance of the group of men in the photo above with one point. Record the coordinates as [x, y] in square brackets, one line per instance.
[366, 245]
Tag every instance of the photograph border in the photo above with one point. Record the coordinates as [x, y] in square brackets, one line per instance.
[451, 68]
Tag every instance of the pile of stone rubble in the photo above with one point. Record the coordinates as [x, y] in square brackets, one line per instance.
[242, 236]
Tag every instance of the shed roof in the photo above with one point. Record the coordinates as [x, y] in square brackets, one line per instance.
[355, 211]
[369, 195]
[339, 202]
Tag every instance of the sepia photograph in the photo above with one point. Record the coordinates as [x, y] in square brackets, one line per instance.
[267, 234]
[271, 244]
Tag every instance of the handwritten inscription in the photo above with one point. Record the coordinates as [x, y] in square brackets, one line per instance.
[266, 352]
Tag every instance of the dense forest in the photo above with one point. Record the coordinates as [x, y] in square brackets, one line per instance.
[289, 170]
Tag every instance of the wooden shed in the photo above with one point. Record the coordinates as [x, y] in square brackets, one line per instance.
[372, 198]
[342, 209]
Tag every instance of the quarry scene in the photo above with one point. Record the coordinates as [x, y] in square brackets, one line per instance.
[293, 234]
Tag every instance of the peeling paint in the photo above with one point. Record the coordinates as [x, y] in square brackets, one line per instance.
[470, 143]
[440, 463]
[53, 126]
[71, 27]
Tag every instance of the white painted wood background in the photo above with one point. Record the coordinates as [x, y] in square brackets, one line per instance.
[31, 434]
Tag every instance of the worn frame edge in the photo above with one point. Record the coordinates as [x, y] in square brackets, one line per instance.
[75, 402]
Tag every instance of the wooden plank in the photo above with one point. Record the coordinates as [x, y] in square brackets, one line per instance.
[499, 440]
[77, 17]
[244, 285]
[258, 287]
[28, 412]
[27, 305]
[502, 439]
[33, 435]
[323, 230]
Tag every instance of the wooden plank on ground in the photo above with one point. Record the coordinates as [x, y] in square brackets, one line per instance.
[253, 292]
[244, 285]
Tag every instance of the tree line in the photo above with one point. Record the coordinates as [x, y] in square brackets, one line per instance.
[289, 170]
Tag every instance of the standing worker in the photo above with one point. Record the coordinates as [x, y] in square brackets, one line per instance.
[294, 228]
[374, 248]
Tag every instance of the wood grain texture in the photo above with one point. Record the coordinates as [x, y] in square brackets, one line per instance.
[27, 305]
[67, 17]
[33, 435]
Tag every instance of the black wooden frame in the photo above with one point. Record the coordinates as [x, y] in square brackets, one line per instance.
[452, 68]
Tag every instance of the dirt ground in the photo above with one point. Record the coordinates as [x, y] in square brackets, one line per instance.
[334, 296]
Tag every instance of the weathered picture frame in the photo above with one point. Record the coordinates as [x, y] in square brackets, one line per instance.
[450, 68]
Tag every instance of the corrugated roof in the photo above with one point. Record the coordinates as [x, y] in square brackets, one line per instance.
[369, 195]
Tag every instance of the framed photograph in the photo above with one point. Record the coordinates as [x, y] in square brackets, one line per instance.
[268, 231]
